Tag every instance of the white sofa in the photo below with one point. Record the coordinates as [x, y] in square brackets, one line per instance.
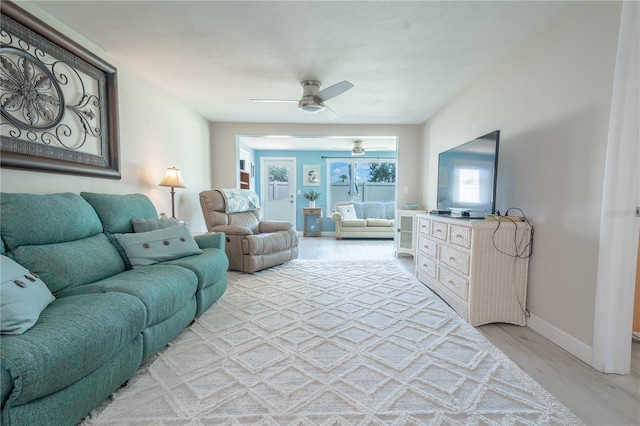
[369, 219]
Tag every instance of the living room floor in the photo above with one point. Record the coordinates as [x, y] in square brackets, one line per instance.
[597, 398]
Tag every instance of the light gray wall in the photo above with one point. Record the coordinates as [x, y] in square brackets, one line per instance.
[156, 132]
[551, 100]
[223, 149]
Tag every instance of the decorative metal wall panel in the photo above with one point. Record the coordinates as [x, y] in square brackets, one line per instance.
[58, 104]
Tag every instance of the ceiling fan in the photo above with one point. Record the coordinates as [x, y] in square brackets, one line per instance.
[313, 98]
[359, 149]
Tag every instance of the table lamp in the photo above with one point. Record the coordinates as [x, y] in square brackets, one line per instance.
[172, 179]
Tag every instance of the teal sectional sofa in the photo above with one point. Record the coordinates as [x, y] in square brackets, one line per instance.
[108, 317]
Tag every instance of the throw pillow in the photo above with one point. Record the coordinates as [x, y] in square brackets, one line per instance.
[347, 212]
[147, 248]
[23, 296]
[146, 225]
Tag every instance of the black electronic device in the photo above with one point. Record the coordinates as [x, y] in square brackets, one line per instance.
[467, 176]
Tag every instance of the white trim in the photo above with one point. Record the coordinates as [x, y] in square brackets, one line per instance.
[567, 342]
[617, 256]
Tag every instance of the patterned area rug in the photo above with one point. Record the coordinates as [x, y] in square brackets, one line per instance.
[316, 342]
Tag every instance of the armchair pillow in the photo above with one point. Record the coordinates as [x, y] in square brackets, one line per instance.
[23, 296]
[347, 212]
[147, 248]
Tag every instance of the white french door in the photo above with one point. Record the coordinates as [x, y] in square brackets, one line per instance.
[278, 188]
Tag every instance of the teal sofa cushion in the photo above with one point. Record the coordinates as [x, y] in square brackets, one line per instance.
[33, 219]
[209, 266]
[23, 296]
[72, 263]
[147, 248]
[116, 210]
[156, 337]
[73, 337]
[70, 405]
[211, 269]
[163, 289]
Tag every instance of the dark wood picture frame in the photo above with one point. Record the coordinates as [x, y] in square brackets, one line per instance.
[25, 143]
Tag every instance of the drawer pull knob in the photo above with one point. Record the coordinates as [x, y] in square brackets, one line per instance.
[438, 230]
[459, 236]
[451, 282]
[425, 266]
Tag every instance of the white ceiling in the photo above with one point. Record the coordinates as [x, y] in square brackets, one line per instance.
[405, 59]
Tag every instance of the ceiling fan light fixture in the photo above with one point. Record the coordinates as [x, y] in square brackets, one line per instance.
[358, 149]
[311, 106]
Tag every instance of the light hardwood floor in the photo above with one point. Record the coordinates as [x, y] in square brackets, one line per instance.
[597, 398]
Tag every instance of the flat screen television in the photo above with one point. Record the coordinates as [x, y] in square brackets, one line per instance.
[467, 176]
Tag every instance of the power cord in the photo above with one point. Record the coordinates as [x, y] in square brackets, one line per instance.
[520, 253]
[523, 253]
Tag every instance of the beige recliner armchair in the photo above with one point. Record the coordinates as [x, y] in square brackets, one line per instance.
[252, 243]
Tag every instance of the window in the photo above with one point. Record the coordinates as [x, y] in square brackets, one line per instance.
[278, 186]
[361, 180]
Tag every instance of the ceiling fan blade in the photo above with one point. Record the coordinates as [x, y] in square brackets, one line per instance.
[332, 113]
[335, 90]
[287, 101]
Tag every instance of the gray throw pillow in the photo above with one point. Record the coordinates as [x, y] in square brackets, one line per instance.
[151, 224]
[23, 297]
[147, 248]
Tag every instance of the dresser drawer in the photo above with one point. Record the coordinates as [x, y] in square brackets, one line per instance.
[426, 265]
[460, 236]
[424, 226]
[457, 284]
[457, 259]
[439, 230]
[427, 246]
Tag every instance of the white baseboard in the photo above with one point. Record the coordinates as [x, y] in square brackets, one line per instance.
[567, 342]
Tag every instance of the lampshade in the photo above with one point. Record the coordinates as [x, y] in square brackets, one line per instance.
[172, 178]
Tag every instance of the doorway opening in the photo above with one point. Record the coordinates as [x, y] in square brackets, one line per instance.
[369, 160]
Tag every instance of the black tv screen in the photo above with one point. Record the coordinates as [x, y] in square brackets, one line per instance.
[467, 176]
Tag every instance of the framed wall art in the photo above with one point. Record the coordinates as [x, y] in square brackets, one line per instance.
[311, 175]
[58, 101]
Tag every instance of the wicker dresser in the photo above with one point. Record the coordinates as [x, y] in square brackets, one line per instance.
[473, 266]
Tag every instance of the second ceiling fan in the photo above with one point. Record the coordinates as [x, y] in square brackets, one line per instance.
[313, 99]
[359, 149]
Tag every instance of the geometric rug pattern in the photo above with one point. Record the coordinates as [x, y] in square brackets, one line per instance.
[325, 342]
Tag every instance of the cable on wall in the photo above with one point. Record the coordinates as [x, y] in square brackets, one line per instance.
[520, 253]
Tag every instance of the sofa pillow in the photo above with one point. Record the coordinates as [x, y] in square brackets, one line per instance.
[151, 224]
[347, 212]
[116, 210]
[71, 264]
[147, 248]
[23, 296]
[35, 219]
